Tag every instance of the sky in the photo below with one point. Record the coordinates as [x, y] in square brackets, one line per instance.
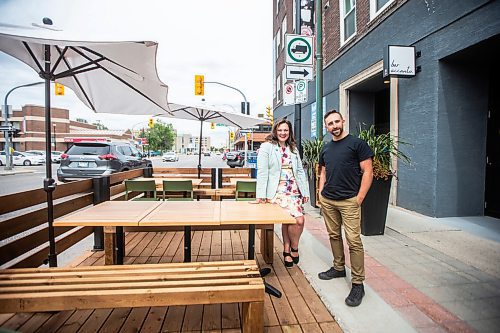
[228, 41]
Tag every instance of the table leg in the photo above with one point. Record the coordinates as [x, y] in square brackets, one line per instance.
[120, 245]
[267, 245]
[187, 244]
[251, 241]
[109, 245]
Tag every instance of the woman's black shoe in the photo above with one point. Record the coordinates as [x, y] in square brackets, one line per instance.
[288, 264]
[297, 258]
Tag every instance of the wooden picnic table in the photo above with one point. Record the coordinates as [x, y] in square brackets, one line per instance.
[241, 179]
[114, 215]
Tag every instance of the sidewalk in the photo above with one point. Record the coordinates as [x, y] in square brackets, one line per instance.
[424, 275]
[16, 170]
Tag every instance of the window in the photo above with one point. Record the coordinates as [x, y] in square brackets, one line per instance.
[377, 6]
[278, 88]
[348, 19]
[283, 31]
[124, 150]
[278, 42]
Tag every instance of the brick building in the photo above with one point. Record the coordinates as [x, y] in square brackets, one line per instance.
[448, 111]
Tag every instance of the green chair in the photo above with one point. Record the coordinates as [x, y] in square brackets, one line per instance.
[184, 186]
[140, 186]
[245, 188]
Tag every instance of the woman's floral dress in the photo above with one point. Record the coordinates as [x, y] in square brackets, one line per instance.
[288, 195]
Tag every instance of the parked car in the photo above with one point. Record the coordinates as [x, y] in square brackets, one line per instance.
[24, 158]
[56, 155]
[206, 153]
[237, 158]
[170, 156]
[154, 153]
[93, 159]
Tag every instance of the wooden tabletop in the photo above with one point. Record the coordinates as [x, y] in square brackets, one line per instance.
[182, 213]
[159, 180]
[109, 214]
[234, 180]
[244, 212]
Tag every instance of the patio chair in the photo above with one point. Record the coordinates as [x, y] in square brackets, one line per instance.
[245, 188]
[184, 186]
[141, 186]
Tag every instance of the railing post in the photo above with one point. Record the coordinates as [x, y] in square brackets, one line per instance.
[214, 178]
[147, 172]
[101, 193]
[219, 178]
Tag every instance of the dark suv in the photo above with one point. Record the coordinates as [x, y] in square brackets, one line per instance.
[93, 159]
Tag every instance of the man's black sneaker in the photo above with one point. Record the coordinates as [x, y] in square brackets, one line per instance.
[356, 295]
[332, 273]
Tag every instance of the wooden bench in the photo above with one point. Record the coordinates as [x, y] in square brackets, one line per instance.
[96, 287]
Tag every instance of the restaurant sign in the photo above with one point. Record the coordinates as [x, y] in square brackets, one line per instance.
[399, 61]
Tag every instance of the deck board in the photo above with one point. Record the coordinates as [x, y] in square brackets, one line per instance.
[299, 310]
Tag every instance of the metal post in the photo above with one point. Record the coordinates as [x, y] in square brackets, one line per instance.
[298, 107]
[101, 193]
[319, 69]
[199, 148]
[49, 183]
[54, 135]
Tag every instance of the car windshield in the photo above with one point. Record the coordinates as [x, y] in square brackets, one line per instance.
[95, 149]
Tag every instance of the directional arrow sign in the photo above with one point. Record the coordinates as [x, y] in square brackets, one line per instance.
[299, 72]
[6, 128]
[299, 50]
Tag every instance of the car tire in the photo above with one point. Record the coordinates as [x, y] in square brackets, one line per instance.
[232, 166]
[27, 163]
[1, 163]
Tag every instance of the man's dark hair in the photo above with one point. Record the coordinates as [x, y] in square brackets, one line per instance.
[332, 112]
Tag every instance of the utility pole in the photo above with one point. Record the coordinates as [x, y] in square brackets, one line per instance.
[319, 70]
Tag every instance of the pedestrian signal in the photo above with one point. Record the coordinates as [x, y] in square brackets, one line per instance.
[59, 89]
[199, 85]
[212, 125]
[151, 123]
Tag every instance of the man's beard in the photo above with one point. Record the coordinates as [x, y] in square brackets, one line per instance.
[341, 130]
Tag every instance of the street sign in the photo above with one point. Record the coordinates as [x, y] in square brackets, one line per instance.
[299, 50]
[299, 72]
[300, 91]
[289, 93]
[6, 128]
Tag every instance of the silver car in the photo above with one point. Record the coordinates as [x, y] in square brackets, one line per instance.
[94, 159]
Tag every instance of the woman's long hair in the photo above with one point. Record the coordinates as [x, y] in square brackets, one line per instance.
[273, 137]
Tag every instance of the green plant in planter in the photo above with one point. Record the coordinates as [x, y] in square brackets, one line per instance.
[311, 149]
[384, 147]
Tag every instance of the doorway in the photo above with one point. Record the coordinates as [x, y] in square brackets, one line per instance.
[492, 182]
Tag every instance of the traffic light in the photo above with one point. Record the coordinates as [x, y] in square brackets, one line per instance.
[15, 133]
[59, 89]
[151, 123]
[231, 136]
[199, 85]
[212, 125]
[268, 112]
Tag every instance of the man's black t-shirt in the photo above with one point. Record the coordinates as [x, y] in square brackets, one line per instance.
[343, 174]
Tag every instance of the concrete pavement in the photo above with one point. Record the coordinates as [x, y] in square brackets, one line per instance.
[15, 171]
[423, 275]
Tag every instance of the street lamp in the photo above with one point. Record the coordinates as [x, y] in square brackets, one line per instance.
[245, 106]
[7, 136]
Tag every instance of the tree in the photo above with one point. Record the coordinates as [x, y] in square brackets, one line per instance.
[160, 137]
[100, 126]
[81, 120]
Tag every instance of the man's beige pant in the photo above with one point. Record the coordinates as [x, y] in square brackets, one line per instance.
[348, 213]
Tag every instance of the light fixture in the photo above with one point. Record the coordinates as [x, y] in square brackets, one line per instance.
[387, 81]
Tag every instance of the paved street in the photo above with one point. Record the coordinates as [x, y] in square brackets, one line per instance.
[28, 178]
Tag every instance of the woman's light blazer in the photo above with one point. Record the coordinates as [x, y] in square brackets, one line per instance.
[269, 171]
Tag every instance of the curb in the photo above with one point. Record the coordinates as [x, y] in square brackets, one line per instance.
[9, 173]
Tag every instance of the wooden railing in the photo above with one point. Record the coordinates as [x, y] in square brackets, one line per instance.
[23, 216]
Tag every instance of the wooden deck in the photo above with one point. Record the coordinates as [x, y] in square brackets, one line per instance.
[299, 310]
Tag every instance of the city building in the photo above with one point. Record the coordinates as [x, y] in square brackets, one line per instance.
[448, 110]
[30, 120]
[253, 138]
[188, 144]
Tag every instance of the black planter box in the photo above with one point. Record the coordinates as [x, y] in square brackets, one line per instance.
[312, 189]
[374, 208]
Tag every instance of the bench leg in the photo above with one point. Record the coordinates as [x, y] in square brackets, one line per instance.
[109, 245]
[267, 245]
[253, 317]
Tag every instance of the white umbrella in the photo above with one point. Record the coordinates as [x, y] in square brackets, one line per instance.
[108, 76]
[212, 114]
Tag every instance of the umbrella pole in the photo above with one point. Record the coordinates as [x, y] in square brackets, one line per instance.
[49, 183]
[199, 149]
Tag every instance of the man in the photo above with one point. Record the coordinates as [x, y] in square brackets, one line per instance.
[345, 178]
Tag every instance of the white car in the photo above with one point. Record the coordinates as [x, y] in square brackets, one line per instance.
[56, 156]
[170, 156]
[23, 159]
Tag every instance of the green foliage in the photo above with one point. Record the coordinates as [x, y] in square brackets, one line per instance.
[311, 150]
[385, 147]
[160, 137]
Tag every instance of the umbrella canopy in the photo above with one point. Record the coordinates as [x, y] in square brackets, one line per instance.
[107, 76]
[212, 114]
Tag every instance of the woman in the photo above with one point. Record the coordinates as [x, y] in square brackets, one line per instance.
[281, 179]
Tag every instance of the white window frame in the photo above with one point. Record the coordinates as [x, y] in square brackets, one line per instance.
[283, 31]
[373, 8]
[278, 89]
[278, 42]
[343, 14]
